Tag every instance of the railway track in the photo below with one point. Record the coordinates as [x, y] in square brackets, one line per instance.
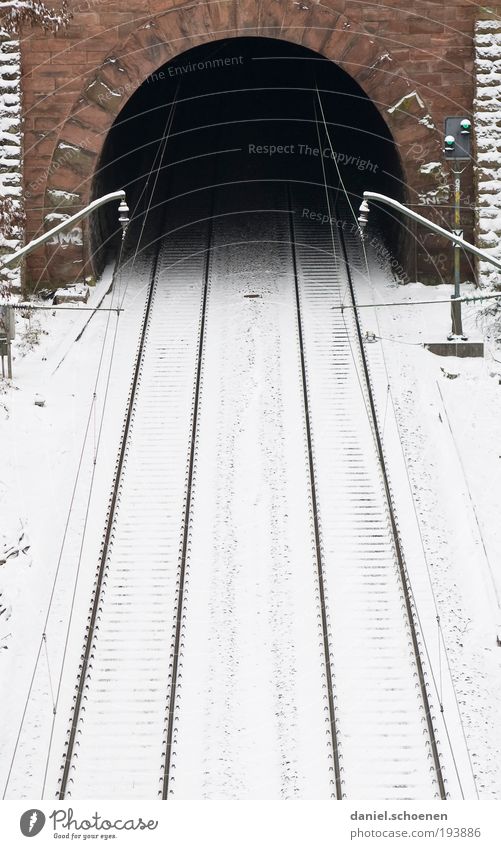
[315, 508]
[251, 632]
[399, 554]
[118, 717]
[386, 731]
[252, 557]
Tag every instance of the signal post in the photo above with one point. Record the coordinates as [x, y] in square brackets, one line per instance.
[457, 149]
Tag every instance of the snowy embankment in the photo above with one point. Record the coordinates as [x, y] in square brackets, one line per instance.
[10, 148]
[445, 458]
[253, 717]
[37, 478]
[447, 413]
[379, 707]
[487, 122]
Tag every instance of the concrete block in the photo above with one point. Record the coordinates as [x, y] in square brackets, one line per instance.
[456, 348]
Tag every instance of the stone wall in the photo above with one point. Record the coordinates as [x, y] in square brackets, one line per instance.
[11, 177]
[414, 60]
[488, 144]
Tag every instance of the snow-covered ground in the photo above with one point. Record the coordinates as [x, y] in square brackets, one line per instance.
[49, 467]
[381, 717]
[447, 412]
[127, 679]
[252, 719]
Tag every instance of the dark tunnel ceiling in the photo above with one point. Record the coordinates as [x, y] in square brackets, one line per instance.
[235, 94]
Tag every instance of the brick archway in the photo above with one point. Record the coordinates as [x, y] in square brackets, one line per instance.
[166, 34]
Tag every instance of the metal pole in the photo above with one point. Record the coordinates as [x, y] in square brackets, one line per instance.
[7, 327]
[457, 323]
[9, 360]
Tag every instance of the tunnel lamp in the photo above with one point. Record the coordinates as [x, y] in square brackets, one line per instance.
[450, 142]
[465, 126]
[123, 216]
[363, 218]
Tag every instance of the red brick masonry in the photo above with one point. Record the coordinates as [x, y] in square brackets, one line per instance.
[415, 60]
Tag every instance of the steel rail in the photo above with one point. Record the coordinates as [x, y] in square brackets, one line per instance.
[314, 499]
[393, 523]
[187, 511]
[90, 630]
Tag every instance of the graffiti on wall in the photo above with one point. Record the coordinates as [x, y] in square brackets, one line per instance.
[67, 237]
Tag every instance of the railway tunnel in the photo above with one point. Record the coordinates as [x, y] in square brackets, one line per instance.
[85, 101]
[246, 112]
[247, 467]
[245, 407]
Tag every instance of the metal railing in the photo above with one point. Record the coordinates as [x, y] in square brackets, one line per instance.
[455, 238]
[6, 314]
[10, 261]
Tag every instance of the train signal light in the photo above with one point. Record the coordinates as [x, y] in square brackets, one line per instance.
[450, 143]
[457, 142]
[457, 148]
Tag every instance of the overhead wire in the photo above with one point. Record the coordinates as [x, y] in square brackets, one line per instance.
[160, 153]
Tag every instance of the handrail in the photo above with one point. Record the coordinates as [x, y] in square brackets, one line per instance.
[40, 240]
[457, 240]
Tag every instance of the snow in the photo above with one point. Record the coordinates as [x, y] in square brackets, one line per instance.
[427, 121]
[252, 716]
[110, 93]
[383, 57]
[60, 196]
[381, 717]
[405, 100]
[10, 142]
[434, 196]
[431, 168]
[37, 481]
[251, 709]
[445, 412]
[66, 146]
[141, 572]
[487, 121]
[72, 294]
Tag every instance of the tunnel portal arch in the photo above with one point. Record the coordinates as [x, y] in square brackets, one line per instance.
[285, 114]
[166, 36]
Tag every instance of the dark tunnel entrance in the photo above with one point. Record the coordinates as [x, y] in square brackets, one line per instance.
[246, 111]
